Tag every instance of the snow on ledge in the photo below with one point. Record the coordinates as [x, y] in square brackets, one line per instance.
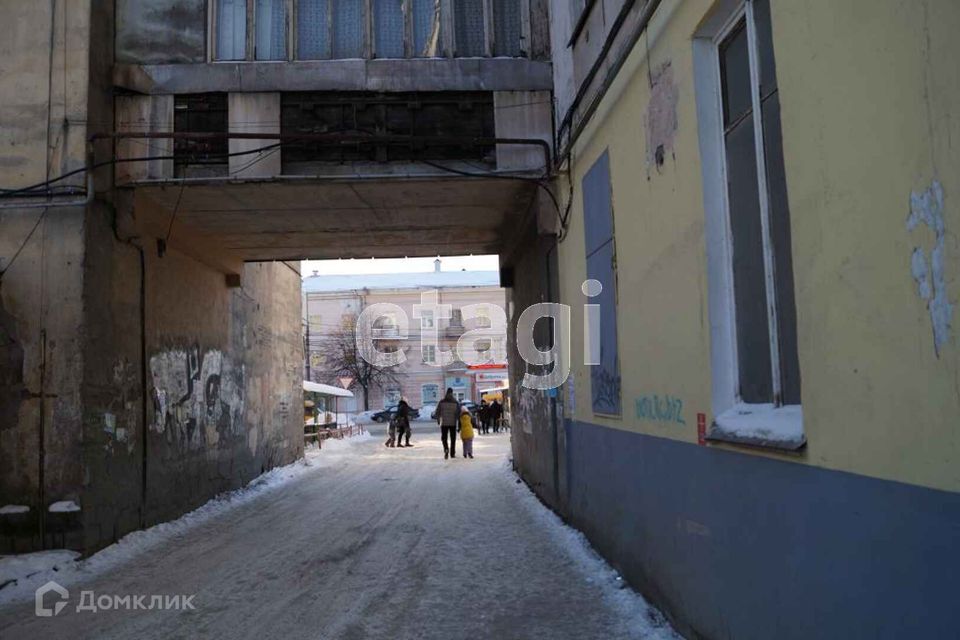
[762, 425]
[8, 509]
[64, 506]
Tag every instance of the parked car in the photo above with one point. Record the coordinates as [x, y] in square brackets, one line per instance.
[472, 406]
[389, 412]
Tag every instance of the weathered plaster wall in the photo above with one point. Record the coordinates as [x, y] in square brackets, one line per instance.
[44, 61]
[43, 76]
[878, 356]
[224, 374]
[221, 371]
[537, 438]
[161, 31]
[41, 302]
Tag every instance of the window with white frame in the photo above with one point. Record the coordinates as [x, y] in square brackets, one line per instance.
[429, 353]
[753, 313]
[391, 397]
[426, 319]
[483, 317]
[248, 30]
[430, 394]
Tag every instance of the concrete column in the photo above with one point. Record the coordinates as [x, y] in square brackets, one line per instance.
[254, 113]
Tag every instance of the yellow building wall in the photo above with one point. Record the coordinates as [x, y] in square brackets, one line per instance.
[869, 92]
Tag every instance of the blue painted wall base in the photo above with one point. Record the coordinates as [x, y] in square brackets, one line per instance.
[738, 546]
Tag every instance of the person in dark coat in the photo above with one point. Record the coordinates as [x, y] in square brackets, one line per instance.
[484, 414]
[496, 412]
[448, 417]
[403, 423]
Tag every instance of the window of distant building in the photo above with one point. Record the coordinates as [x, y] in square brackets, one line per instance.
[430, 394]
[429, 353]
[391, 396]
[755, 362]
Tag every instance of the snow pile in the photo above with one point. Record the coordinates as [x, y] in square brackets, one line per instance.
[21, 575]
[66, 506]
[13, 508]
[25, 565]
[646, 620]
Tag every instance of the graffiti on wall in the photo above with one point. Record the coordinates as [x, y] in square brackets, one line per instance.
[666, 409]
[197, 397]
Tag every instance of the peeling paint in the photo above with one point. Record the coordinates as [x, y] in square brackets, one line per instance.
[661, 117]
[927, 208]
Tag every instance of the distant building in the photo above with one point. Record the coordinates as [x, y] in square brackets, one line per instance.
[331, 303]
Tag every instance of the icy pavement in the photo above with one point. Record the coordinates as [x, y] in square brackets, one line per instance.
[362, 542]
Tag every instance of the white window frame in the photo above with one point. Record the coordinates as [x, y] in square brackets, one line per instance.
[388, 394]
[423, 395]
[730, 412]
[426, 319]
[429, 354]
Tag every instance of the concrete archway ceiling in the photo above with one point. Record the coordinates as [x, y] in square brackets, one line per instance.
[342, 219]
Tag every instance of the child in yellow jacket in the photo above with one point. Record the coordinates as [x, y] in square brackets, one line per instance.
[466, 432]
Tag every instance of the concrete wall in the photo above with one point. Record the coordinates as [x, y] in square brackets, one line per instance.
[730, 539]
[537, 441]
[161, 31]
[219, 369]
[41, 307]
[44, 71]
[90, 327]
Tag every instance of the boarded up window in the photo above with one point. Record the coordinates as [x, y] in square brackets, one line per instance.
[231, 29]
[388, 21]
[601, 266]
[468, 20]
[313, 29]
[347, 29]
[271, 30]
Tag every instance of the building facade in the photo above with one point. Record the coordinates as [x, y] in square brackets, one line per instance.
[165, 166]
[763, 194]
[332, 303]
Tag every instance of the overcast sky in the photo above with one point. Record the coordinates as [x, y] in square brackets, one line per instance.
[398, 265]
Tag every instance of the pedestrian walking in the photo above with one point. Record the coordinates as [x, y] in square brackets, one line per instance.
[403, 423]
[495, 412]
[484, 414]
[466, 432]
[448, 417]
[391, 433]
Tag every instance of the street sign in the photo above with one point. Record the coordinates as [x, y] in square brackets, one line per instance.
[346, 381]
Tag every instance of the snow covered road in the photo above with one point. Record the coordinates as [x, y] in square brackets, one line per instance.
[382, 543]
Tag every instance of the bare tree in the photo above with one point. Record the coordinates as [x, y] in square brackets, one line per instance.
[341, 358]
